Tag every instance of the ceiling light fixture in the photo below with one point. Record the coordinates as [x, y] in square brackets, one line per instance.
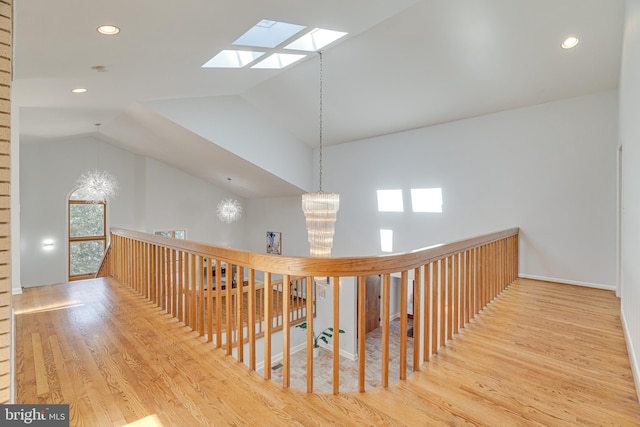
[97, 186]
[108, 30]
[320, 208]
[79, 90]
[229, 210]
[570, 42]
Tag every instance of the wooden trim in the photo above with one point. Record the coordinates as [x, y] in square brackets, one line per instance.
[303, 266]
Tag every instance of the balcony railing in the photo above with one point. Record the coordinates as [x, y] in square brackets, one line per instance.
[221, 294]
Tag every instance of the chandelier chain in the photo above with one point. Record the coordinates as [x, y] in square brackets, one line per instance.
[320, 172]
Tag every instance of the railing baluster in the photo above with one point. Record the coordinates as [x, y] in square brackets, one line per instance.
[434, 306]
[251, 319]
[336, 335]
[362, 315]
[417, 312]
[218, 299]
[201, 299]
[240, 315]
[210, 312]
[309, 317]
[450, 287]
[268, 318]
[386, 303]
[403, 325]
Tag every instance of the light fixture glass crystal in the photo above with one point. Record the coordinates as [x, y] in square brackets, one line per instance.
[229, 210]
[96, 185]
[320, 210]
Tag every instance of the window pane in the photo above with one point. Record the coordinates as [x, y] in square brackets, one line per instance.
[86, 220]
[181, 234]
[85, 257]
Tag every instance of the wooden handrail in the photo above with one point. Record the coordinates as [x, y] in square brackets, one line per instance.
[306, 266]
[451, 284]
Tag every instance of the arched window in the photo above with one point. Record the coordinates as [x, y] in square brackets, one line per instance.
[87, 236]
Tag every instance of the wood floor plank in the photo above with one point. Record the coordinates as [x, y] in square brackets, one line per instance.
[539, 354]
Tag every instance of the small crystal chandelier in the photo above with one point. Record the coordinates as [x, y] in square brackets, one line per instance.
[95, 185]
[320, 212]
[229, 210]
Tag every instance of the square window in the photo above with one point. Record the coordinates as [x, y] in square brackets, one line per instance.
[390, 201]
[426, 200]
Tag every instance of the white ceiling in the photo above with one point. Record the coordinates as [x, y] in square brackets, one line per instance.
[405, 64]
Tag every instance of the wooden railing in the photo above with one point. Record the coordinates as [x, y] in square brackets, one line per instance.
[451, 283]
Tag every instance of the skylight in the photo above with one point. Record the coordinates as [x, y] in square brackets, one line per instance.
[268, 33]
[315, 40]
[271, 36]
[390, 201]
[277, 61]
[232, 59]
[426, 200]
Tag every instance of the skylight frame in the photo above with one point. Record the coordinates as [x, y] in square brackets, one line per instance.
[268, 34]
[315, 40]
[229, 58]
[278, 47]
[278, 61]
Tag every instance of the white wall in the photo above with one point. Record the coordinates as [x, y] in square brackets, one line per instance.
[630, 140]
[549, 169]
[48, 173]
[282, 214]
[152, 196]
[177, 200]
[233, 124]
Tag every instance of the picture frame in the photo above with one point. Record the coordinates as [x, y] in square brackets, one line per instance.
[274, 242]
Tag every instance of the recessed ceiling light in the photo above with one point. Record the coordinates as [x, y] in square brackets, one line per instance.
[267, 33]
[79, 90]
[108, 30]
[570, 42]
[232, 59]
[278, 61]
[315, 40]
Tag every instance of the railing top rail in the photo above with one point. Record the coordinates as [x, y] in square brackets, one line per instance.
[307, 266]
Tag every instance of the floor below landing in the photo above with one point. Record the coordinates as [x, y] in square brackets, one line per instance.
[323, 364]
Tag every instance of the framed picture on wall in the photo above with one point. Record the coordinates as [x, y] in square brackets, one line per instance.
[274, 242]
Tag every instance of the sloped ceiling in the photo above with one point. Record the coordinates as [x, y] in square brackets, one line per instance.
[405, 64]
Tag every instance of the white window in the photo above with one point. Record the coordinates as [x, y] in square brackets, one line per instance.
[426, 200]
[390, 201]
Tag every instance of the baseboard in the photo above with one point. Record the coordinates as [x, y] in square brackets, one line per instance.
[633, 357]
[16, 291]
[568, 282]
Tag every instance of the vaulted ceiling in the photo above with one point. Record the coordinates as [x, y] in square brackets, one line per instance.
[405, 64]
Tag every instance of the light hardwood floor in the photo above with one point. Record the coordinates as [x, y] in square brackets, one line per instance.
[540, 354]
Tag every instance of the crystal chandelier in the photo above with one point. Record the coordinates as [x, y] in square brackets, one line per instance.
[229, 210]
[320, 209]
[95, 185]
